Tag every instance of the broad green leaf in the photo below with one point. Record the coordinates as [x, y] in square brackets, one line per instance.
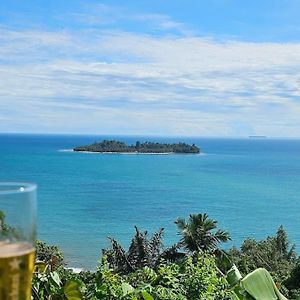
[260, 285]
[147, 296]
[56, 297]
[40, 267]
[233, 276]
[72, 290]
[55, 278]
[234, 296]
[127, 288]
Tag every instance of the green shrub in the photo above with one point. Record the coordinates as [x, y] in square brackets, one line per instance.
[51, 255]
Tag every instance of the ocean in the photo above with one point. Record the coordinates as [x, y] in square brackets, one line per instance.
[250, 186]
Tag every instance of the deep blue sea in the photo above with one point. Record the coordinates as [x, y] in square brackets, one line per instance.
[250, 186]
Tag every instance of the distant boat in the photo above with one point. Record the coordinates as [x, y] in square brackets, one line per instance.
[257, 137]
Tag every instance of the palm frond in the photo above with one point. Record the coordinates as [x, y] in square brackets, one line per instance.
[197, 234]
[180, 223]
[117, 257]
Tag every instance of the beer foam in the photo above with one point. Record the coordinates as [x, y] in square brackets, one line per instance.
[14, 249]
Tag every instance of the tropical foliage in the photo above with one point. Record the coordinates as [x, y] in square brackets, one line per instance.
[143, 251]
[274, 254]
[200, 233]
[191, 279]
[48, 285]
[256, 285]
[146, 147]
[194, 268]
[6, 230]
[50, 254]
[292, 283]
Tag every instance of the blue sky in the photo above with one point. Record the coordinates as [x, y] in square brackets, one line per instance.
[160, 67]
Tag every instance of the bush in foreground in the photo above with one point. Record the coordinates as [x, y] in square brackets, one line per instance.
[147, 271]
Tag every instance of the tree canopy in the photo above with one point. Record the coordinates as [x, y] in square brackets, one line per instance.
[145, 147]
[200, 233]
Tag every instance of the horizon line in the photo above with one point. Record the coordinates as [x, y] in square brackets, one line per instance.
[253, 137]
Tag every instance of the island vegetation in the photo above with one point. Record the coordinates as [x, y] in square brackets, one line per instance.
[113, 146]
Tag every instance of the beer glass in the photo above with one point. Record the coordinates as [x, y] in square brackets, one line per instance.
[17, 238]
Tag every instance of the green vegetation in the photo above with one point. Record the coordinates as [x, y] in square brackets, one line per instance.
[146, 147]
[199, 233]
[6, 230]
[3, 226]
[256, 285]
[54, 285]
[274, 254]
[143, 252]
[50, 254]
[194, 268]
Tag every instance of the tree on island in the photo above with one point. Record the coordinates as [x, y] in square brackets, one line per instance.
[145, 147]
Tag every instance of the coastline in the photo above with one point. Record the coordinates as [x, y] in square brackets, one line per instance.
[128, 153]
[77, 270]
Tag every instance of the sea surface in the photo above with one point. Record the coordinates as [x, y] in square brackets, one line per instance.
[250, 186]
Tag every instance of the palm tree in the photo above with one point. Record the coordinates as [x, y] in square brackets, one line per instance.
[200, 233]
[143, 251]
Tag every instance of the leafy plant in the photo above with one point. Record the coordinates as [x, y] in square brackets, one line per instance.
[192, 279]
[275, 254]
[143, 251]
[200, 233]
[6, 231]
[258, 285]
[51, 255]
[147, 271]
[48, 285]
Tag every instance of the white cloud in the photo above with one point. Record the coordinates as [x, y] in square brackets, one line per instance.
[102, 15]
[109, 81]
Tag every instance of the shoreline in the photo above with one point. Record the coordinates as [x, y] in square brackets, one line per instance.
[128, 153]
[77, 270]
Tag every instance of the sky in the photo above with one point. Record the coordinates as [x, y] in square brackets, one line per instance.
[225, 68]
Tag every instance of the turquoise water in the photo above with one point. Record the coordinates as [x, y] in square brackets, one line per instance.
[251, 186]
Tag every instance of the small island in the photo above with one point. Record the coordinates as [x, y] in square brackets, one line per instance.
[146, 148]
[257, 137]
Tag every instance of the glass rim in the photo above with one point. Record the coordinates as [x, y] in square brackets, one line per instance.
[16, 187]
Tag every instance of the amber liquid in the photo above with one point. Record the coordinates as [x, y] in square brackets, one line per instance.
[16, 268]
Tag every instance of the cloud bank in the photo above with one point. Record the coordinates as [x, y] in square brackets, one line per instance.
[114, 81]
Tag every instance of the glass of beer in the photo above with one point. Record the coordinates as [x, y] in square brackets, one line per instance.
[17, 239]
